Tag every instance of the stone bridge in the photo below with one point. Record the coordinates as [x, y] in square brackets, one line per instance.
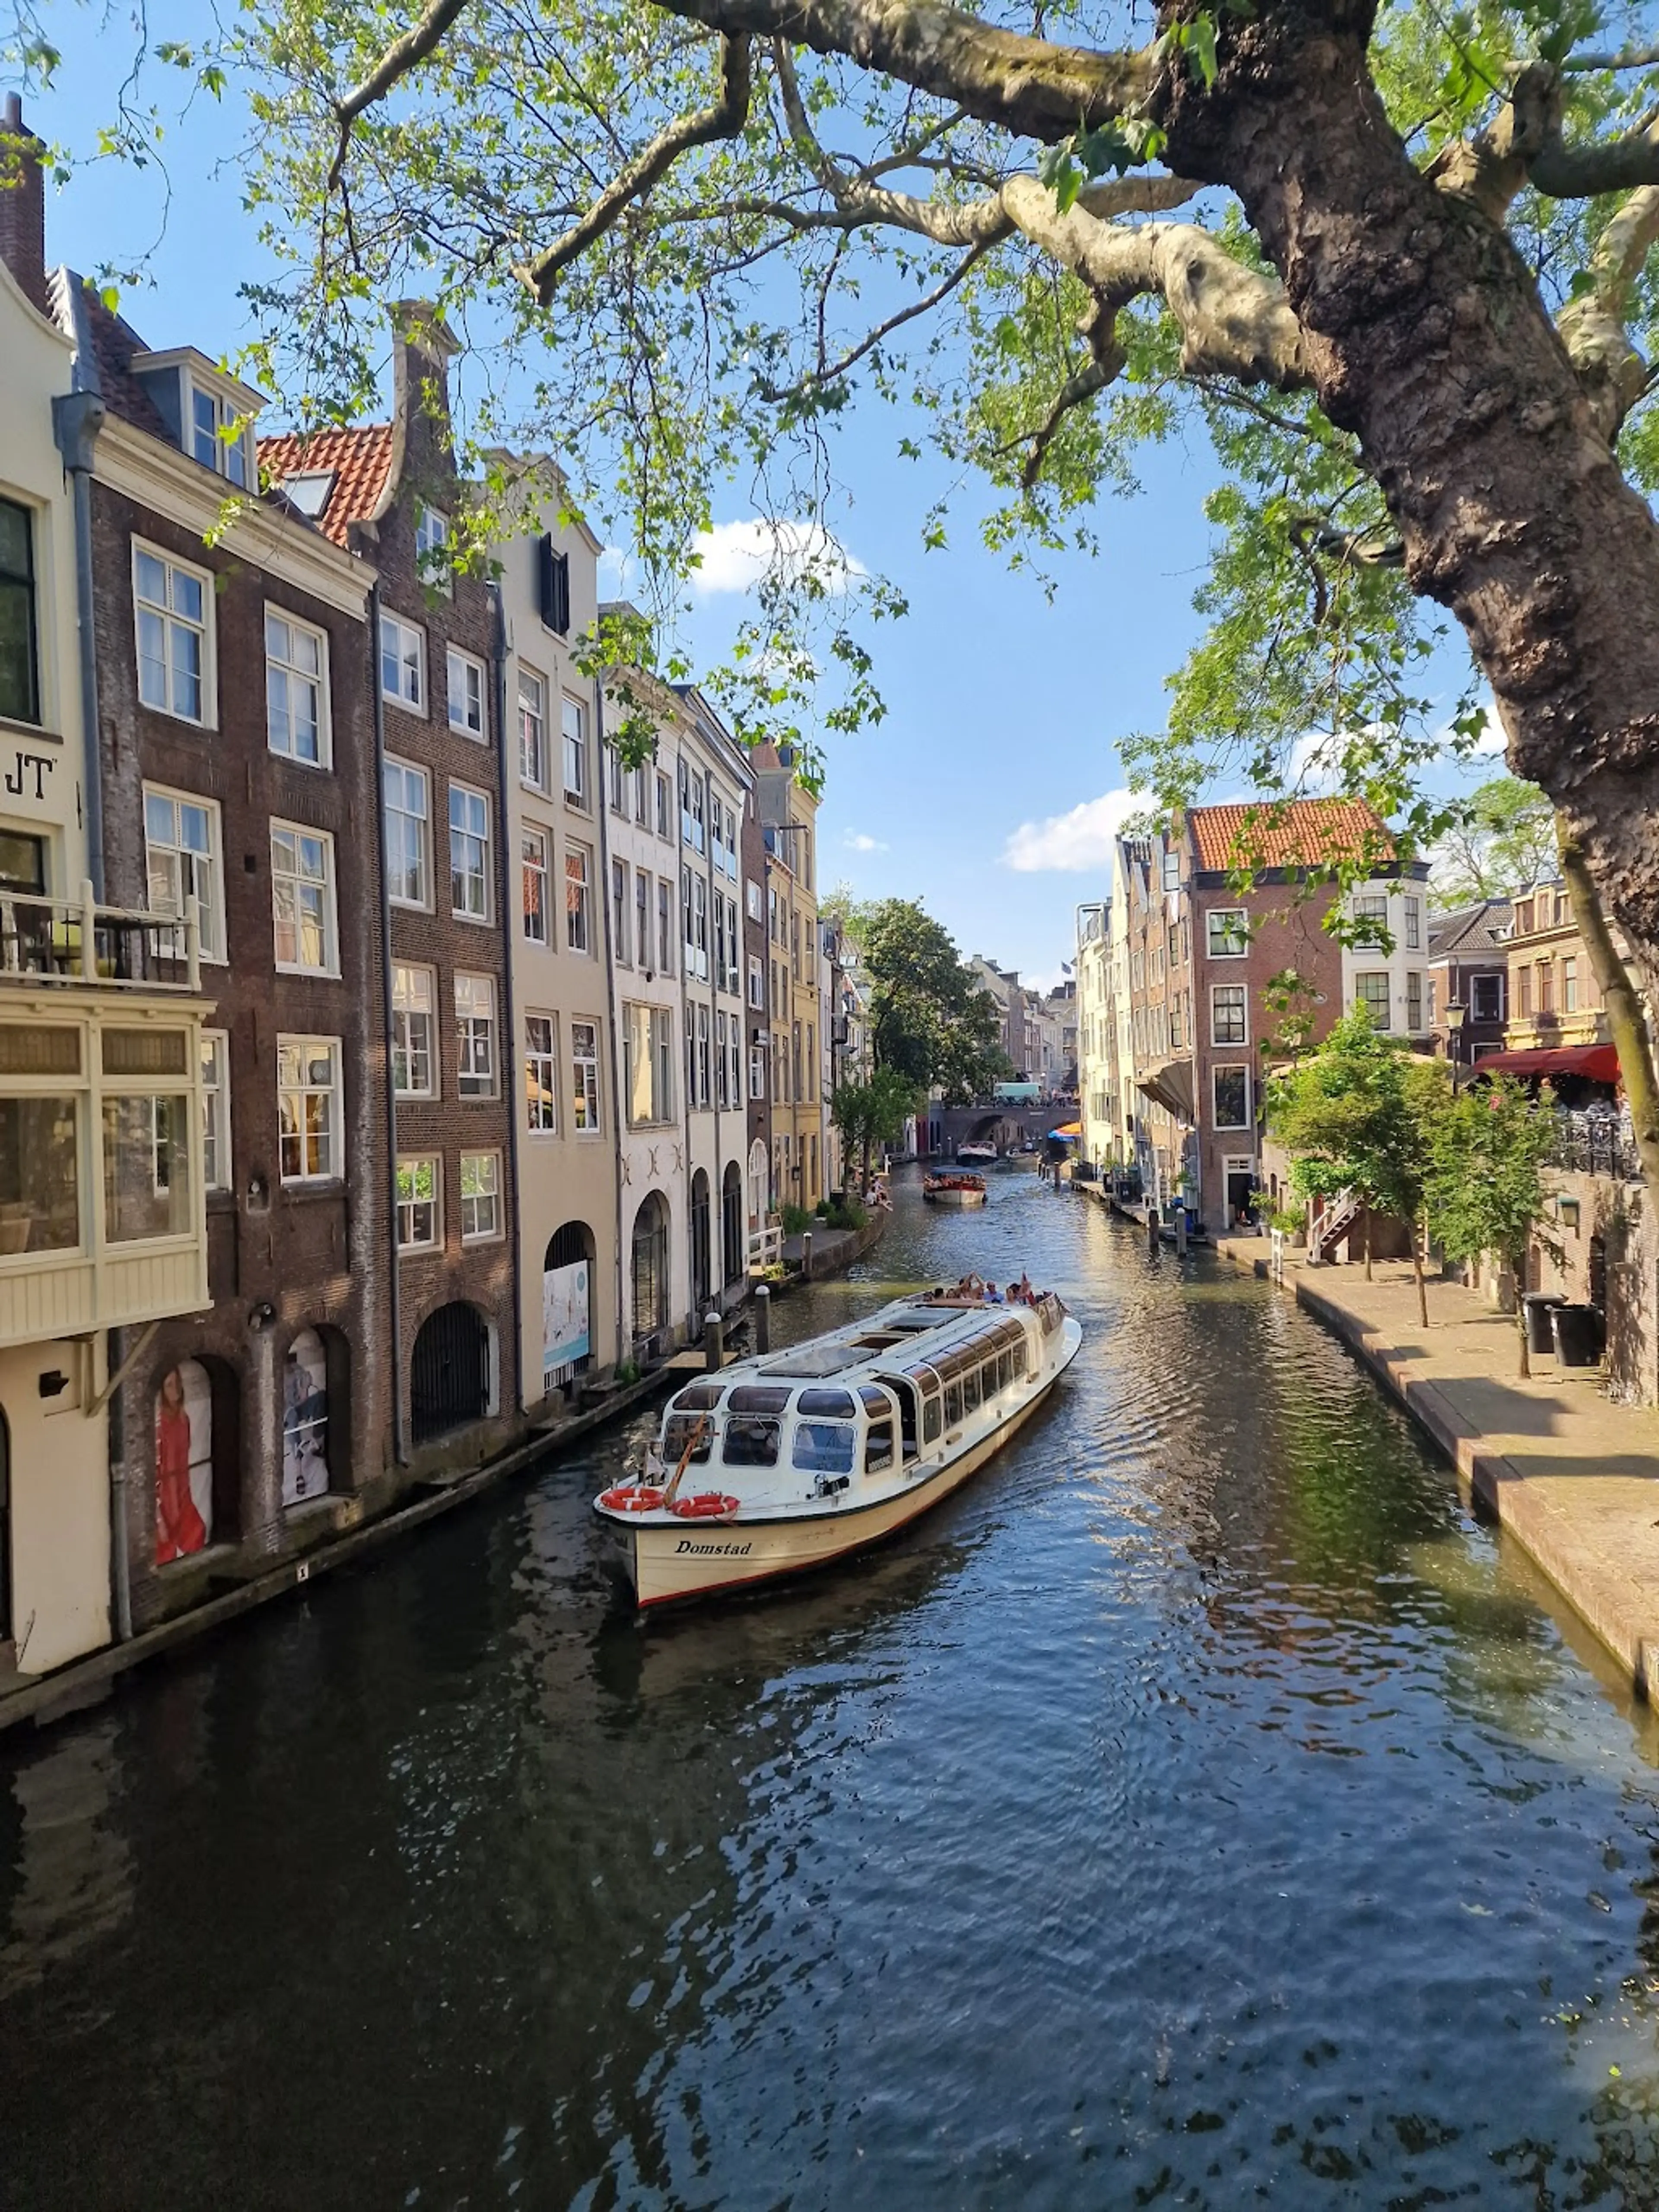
[1007, 1123]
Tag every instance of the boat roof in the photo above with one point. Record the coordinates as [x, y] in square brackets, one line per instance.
[911, 1333]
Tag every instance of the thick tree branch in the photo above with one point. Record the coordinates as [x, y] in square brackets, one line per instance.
[1025, 85]
[1633, 57]
[1099, 326]
[400, 57]
[724, 119]
[1491, 167]
[1613, 373]
[1579, 172]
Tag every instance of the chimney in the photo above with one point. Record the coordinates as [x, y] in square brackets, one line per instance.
[422, 347]
[23, 205]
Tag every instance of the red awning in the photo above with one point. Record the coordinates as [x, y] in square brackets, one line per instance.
[1596, 1063]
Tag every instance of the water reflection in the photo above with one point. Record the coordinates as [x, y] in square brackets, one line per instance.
[1198, 1808]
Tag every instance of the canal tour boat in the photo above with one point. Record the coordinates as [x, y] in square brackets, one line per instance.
[977, 1156]
[953, 1189]
[782, 1463]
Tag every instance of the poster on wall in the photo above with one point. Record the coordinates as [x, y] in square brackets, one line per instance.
[304, 1419]
[564, 1320]
[184, 1462]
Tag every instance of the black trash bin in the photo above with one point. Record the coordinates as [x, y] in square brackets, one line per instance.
[1537, 1306]
[1577, 1333]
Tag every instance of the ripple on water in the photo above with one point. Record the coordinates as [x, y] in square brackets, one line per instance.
[1199, 1808]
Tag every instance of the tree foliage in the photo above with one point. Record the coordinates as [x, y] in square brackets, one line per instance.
[1486, 1180]
[1501, 842]
[931, 1022]
[874, 1113]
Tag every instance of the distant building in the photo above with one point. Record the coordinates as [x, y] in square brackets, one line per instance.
[1468, 969]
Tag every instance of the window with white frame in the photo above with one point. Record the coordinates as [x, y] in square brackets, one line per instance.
[643, 796]
[1413, 1001]
[618, 782]
[758, 1072]
[475, 1031]
[1413, 925]
[665, 807]
[619, 910]
[1371, 992]
[756, 982]
[302, 899]
[297, 690]
[481, 1197]
[420, 1185]
[182, 861]
[1229, 1097]
[665, 926]
[648, 1046]
[1228, 1014]
[414, 1032]
[465, 681]
[1488, 997]
[1370, 911]
[408, 811]
[541, 1074]
[585, 1077]
[220, 438]
[533, 863]
[757, 904]
[469, 853]
[1228, 932]
[216, 1109]
[403, 663]
[574, 723]
[172, 604]
[310, 1123]
[578, 900]
[432, 560]
[643, 917]
[532, 729]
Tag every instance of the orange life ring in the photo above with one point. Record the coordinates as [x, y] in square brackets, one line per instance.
[631, 1497]
[709, 1506]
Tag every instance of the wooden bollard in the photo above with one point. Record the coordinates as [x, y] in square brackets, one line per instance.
[806, 1256]
[764, 1318]
[1154, 1234]
[713, 1345]
[1181, 1232]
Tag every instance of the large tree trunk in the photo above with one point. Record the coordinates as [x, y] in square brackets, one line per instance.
[1428, 341]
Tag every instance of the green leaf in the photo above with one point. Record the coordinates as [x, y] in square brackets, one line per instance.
[1201, 50]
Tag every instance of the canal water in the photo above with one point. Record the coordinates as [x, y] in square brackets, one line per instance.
[1200, 1810]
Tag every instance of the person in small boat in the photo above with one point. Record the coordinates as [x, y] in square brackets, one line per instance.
[1026, 1292]
[993, 1295]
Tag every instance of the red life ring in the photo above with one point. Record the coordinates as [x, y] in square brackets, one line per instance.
[709, 1506]
[631, 1497]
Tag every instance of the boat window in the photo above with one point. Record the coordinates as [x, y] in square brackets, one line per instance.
[907, 1395]
[825, 1447]
[1004, 1370]
[1018, 1356]
[931, 1422]
[757, 1398]
[699, 1398]
[750, 1441]
[952, 1405]
[878, 1446]
[970, 1391]
[836, 1404]
[679, 1430]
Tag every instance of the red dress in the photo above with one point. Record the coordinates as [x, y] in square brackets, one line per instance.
[179, 1529]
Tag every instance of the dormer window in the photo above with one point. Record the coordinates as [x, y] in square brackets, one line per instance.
[219, 437]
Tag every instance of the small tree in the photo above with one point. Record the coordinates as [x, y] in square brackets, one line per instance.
[1357, 1115]
[1487, 1185]
[868, 1113]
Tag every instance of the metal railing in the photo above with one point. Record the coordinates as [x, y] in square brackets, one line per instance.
[66, 941]
[1595, 1141]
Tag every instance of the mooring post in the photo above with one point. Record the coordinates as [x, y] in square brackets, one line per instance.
[713, 1349]
[763, 1319]
[1181, 1232]
[806, 1256]
[1154, 1233]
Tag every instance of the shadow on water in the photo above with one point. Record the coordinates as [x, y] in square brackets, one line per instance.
[1198, 1808]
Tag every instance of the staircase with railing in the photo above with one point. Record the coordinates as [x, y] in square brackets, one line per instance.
[1336, 1221]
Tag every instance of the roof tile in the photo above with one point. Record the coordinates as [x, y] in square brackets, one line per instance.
[359, 458]
[1296, 833]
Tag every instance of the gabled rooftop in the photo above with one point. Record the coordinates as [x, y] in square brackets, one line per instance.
[336, 476]
[1296, 833]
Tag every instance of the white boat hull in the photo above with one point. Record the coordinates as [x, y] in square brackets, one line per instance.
[675, 1560]
[954, 1197]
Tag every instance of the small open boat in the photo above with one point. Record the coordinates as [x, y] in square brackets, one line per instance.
[953, 1189]
[783, 1463]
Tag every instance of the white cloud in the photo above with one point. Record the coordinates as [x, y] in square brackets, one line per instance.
[1314, 769]
[858, 841]
[735, 556]
[1078, 840]
[616, 573]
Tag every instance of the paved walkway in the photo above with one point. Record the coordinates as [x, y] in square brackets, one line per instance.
[1574, 1478]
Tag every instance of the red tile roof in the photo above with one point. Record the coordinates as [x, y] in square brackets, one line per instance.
[1296, 833]
[360, 459]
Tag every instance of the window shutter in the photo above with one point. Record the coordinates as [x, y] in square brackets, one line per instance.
[553, 578]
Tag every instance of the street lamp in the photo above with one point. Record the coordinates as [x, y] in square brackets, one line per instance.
[1457, 1015]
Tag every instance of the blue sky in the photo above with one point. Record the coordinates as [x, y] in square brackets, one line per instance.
[997, 756]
